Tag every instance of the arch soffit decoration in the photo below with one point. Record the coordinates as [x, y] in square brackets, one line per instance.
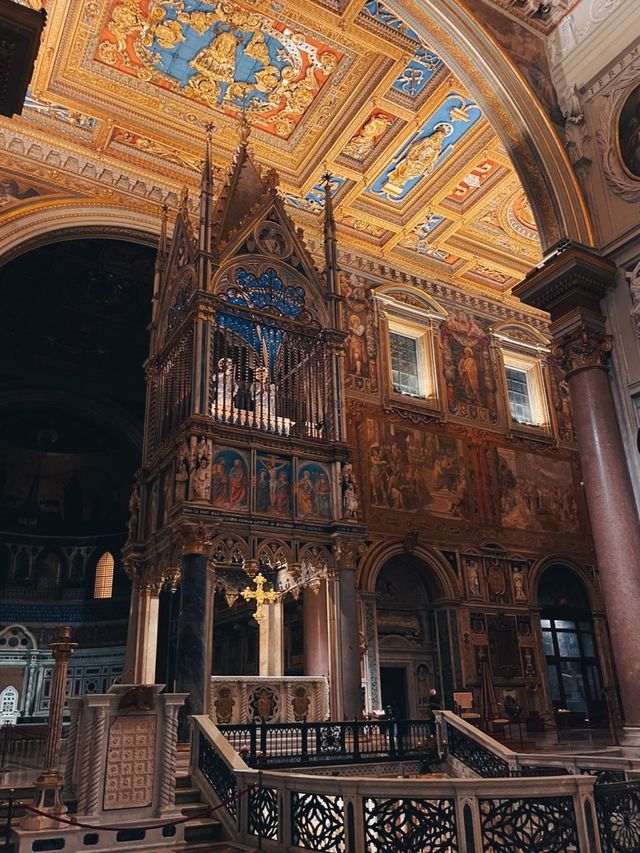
[514, 111]
[541, 565]
[74, 220]
[381, 553]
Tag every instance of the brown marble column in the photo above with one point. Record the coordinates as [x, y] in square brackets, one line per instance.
[570, 286]
[346, 682]
[315, 630]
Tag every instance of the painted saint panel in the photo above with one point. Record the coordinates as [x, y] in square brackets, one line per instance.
[361, 367]
[273, 485]
[313, 491]
[412, 470]
[229, 480]
[468, 372]
[536, 492]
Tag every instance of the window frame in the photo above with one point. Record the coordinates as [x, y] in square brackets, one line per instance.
[528, 359]
[421, 325]
[104, 577]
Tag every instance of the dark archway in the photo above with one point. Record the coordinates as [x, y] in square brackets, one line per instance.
[568, 639]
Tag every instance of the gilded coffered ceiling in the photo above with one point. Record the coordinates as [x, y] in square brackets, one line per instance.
[125, 88]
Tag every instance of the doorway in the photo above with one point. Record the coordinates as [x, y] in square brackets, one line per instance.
[393, 682]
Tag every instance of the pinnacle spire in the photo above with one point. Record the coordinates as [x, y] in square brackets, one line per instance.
[206, 195]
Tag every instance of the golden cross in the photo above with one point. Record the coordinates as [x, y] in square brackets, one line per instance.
[259, 595]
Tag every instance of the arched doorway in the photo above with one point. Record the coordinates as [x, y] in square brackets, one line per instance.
[568, 640]
[407, 648]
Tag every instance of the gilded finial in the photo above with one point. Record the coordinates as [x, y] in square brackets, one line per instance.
[184, 198]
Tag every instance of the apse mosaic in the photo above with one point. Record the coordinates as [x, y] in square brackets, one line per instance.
[426, 149]
[222, 55]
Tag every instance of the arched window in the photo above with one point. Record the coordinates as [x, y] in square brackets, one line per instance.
[104, 577]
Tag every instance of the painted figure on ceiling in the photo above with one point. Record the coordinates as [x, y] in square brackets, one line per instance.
[419, 160]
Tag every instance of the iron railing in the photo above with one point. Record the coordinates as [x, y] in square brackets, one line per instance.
[309, 744]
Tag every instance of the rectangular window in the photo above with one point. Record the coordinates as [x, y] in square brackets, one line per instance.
[404, 364]
[519, 396]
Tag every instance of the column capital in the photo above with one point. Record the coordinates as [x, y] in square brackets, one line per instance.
[145, 576]
[572, 277]
[62, 647]
[580, 343]
[195, 540]
[346, 552]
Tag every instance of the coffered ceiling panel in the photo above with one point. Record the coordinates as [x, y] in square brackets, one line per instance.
[128, 87]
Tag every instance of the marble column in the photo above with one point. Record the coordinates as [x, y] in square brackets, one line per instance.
[193, 653]
[570, 286]
[348, 671]
[315, 631]
[142, 637]
[271, 639]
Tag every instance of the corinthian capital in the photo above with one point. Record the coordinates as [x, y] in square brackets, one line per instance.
[582, 348]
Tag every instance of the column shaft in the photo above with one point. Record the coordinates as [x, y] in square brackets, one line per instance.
[614, 522]
[316, 631]
[349, 644]
[193, 640]
[144, 670]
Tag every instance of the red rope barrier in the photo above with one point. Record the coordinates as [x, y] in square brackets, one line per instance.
[204, 813]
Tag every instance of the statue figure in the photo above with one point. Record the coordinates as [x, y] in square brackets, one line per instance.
[225, 390]
[217, 61]
[418, 161]
[518, 586]
[350, 502]
[473, 577]
[263, 393]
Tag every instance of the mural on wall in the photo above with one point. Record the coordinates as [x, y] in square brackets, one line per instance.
[273, 485]
[361, 367]
[468, 371]
[629, 133]
[15, 191]
[229, 480]
[313, 491]
[536, 492]
[412, 469]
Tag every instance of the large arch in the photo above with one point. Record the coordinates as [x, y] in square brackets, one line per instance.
[449, 587]
[514, 111]
[74, 219]
[540, 566]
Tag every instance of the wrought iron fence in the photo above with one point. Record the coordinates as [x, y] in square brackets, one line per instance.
[618, 814]
[308, 744]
